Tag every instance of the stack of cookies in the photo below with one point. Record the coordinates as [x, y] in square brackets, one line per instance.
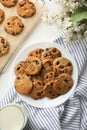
[44, 73]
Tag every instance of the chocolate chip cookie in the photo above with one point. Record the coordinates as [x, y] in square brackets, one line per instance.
[13, 25]
[9, 3]
[33, 65]
[62, 65]
[20, 68]
[51, 52]
[23, 84]
[49, 91]
[4, 46]
[37, 91]
[26, 8]
[1, 16]
[36, 52]
[63, 84]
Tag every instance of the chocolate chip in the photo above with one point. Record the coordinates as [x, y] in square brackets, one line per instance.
[2, 41]
[47, 49]
[51, 73]
[50, 92]
[39, 94]
[40, 51]
[45, 55]
[51, 83]
[46, 76]
[5, 46]
[61, 66]
[48, 62]
[54, 50]
[27, 74]
[29, 62]
[18, 68]
[30, 2]
[69, 87]
[57, 62]
[53, 94]
[59, 88]
[39, 83]
[18, 78]
[21, 26]
[69, 64]
[36, 52]
[37, 62]
[8, 23]
[14, 1]
[13, 33]
[66, 80]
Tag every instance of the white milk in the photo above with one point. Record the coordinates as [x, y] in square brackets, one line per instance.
[11, 118]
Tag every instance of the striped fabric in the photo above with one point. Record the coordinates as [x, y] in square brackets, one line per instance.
[72, 115]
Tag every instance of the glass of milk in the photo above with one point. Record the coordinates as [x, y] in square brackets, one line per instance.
[12, 117]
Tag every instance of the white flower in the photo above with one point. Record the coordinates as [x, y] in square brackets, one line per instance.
[61, 18]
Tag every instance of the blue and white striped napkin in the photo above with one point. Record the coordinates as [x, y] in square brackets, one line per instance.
[72, 115]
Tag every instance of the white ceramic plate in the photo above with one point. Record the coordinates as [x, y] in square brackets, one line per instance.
[46, 102]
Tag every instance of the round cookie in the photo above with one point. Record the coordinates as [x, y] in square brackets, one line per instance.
[62, 65]
[23, 84]
[20, 68]
[33, 65]
[1, 16]
[63, 84]
[13, 25]
[49, 91]
[47, 66]
[26, 8]
[4, 46]
[36, 52]
[9, 3]
[51, 52]
[37, 91]
[49, 77]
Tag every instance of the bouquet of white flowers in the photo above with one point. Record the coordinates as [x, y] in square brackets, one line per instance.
[71, 17]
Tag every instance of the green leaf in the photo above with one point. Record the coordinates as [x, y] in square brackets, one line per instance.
[79, 14]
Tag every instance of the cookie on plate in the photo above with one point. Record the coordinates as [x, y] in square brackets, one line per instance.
[4, 46]
[36, 52]
[49, 91]
[50, 76]
[33, 65]
[26, 8]
[62, 65]
[47, 66]
[1, 15]
[51, 52]
[9, 3]
[63, 84]
[37, 91]
[13, 25]
[20, 68]
[23, 84]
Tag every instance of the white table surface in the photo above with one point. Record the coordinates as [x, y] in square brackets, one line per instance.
[42, 32]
